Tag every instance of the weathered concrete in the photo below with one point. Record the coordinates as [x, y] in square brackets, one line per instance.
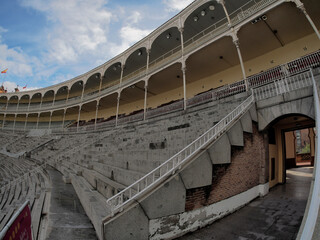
[198, 173]
[275, 216]
[220, 152]
[235, 135]
[246, 123]
[132, 224]
[169, 199]
[67, 219]
[296, 102]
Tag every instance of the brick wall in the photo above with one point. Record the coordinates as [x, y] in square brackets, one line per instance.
[247, 170]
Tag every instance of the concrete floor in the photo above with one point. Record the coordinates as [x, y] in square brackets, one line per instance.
[276, 216]
[67, 218]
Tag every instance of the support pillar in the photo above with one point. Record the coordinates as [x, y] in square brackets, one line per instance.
[236, 43]
[18, 104]
[145, 100]
[68, 95]
[25, 124]
[184, 88]
[97, 109]
[300, 5]
[38, 121]
[121, 75]
[148, 61]
[82, 91]
[118, 103]
[54, 98]
[79, 117]
[64, 118]
[50, 120]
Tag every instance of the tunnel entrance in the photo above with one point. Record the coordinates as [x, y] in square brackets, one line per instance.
[291, 145]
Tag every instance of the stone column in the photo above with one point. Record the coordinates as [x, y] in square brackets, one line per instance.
[79, 117]
[121, 75]
[145, 100]
[64, 117]
[25, 124]
[97, 109]
[300, 5]
[38, 121]
[118, 102]
[184, 87]
[148, 61]
[54, 98]
[50, 120]
[236, 43]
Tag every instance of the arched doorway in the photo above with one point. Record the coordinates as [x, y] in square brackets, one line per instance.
[287, 145]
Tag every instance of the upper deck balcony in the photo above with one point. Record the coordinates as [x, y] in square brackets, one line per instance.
[197, 26]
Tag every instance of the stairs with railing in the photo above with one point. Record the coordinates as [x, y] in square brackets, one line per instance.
[162, 191]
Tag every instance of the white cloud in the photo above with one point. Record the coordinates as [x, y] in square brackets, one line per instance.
[79, 27]
[9, 86]
[15, 60]
[129, 33]
[176, 5]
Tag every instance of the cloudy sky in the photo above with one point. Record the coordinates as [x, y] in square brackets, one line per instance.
[44, 42]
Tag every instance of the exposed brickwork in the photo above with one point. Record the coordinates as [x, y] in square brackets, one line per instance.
[244, 172]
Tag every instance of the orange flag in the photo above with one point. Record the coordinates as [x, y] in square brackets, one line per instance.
[5, 71]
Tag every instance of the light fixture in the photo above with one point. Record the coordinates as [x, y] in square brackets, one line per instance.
[195, 18]
[139, 52]
[264, 18]
[211, 7]
[203, 13]
[168, 36]
[114, 68]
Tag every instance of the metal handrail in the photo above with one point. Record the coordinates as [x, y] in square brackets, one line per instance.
[162, 172]
[313, 211]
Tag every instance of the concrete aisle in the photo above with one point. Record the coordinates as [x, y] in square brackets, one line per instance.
[277, 216]
[67, 218]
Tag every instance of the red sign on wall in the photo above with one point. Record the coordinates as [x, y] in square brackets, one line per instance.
[21, 227]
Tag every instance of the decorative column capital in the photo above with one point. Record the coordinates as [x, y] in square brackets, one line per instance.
[222, 2]
[181, 29]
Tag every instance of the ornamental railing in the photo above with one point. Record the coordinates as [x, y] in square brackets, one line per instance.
[287, 84]
[169, 167]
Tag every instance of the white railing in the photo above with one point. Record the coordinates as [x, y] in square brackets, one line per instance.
[247, 10]
[284, 85]
[169, 167]
[313, 210]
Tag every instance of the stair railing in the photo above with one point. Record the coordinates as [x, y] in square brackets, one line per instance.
[169, 167]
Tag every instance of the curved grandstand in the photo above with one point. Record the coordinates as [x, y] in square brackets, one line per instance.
[181, 129]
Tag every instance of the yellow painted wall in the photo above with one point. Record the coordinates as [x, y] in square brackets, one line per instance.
[290, 145]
